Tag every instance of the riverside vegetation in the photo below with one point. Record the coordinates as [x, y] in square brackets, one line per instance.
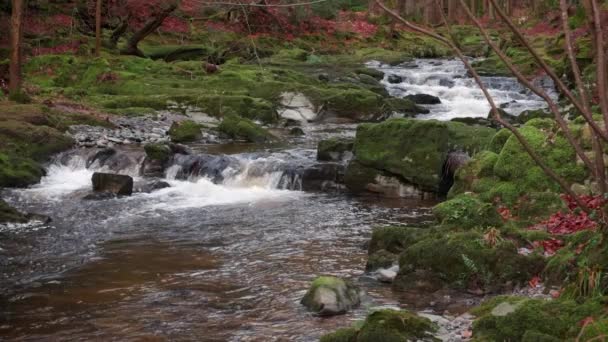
[502, 224]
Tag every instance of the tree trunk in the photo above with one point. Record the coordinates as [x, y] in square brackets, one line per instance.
[149, 27]
[119, 32]
[98, 28]
[15, 63]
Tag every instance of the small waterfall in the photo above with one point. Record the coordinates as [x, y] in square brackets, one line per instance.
[277, 171]
[459, 94]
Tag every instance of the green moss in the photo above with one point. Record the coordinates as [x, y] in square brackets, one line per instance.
[532, 317]
[415, 150]
[402, 106]
[499, 140]
[341, 335]
[343, 289]
[376, 74]
[515, 165]
[16, 171]
[393, 325]
[465, 259]
[185, 131]
[9, 214]
[333, 148]
[241, 128]
[386, 325]
[468, 176]
[160, 152]
[466, 212]
[394, 238]
[358, 176]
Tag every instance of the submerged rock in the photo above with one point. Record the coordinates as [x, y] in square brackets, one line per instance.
[329, 296]
[394, 79]
[112, 183]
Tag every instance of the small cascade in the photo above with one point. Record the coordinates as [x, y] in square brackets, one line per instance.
[459, 94]
[287, 170]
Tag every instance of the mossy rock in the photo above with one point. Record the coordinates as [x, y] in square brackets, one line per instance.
[515, 165]
[466, 177]
[386, 326]
[341, 335]
[10, 214]
[329, 295]
[387, 242]
[416, 150]
[158, 152]
[376, 74]
[18, 172]
[558, 319]
[380, 259]
[403, 106]
[467, 260]
[185, 131]
[499, 140]
[533, 114]
[394, 239]
[467, 212]
[24, 146]
[334, 149]
[241, 128]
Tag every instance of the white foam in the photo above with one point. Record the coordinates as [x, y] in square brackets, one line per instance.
[459, 94]
[62, 180]
[202, 193]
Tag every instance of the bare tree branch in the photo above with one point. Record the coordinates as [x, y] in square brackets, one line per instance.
[496, 114]
[537, 90]
[582, 90]
[556, 79]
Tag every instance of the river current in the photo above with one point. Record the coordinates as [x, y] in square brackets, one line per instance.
[209, 259]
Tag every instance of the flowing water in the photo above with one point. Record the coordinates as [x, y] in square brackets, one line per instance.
[224, 254]
[459, 94]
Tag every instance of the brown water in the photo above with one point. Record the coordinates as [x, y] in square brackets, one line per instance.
[162, 267]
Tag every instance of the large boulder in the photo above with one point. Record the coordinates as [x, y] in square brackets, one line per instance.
[466, 259]
[415, 151]
[115, 184]
[329, 296]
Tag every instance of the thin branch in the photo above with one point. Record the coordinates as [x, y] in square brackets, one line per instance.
[537, 90]
[600, 168]
[219, 3]
[558, 82]
[602, 82]
[496, 114]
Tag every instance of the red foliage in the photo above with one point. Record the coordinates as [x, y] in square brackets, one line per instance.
[549, 246]
[505, 213]
[175, 25]
[568, 223]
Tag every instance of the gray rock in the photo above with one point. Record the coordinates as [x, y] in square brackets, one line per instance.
[394, 79]
[329, 296]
